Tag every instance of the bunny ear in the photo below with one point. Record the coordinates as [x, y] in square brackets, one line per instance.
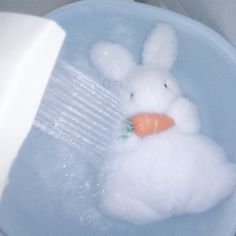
[111, 59]
[160, 47]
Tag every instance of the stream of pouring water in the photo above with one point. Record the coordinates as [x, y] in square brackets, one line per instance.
[78, 111]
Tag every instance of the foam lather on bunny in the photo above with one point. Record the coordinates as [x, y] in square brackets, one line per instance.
[160, 164]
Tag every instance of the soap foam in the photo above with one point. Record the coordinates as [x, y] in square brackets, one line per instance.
[178, 171]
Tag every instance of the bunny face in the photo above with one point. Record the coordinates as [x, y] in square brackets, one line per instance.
[149, 89]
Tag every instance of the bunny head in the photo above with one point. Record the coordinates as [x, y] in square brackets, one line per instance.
[148, 87]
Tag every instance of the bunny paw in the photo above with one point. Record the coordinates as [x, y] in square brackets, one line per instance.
[186, 115]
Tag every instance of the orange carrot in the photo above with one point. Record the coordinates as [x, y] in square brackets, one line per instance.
[150, 123]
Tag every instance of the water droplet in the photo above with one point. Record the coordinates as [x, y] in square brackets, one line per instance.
[87, 217]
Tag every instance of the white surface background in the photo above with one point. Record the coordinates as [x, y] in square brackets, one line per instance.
[35, 7]
[218, 14]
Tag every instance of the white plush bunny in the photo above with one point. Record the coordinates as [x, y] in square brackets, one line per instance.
[173, 172]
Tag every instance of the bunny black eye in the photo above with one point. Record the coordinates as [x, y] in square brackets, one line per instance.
[131, 96]
[165, 85]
